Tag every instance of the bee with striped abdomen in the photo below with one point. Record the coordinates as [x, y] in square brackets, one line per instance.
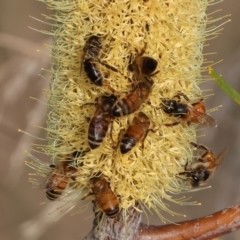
[135, 133]
[59, 179]
[142, 68]
[99, 123]
[191, 113]
[143, 65]
[133, 101]
[91, 61]
[204, 166]
[91, 53]
[105, 197]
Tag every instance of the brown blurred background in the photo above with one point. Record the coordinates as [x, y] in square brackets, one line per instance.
[22, 216]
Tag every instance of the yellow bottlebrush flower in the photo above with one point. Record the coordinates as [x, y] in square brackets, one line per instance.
[170, 31]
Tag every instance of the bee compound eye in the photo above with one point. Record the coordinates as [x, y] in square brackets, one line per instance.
[195, 178]
[205, 175]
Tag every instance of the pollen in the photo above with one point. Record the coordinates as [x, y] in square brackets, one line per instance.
[172, 33]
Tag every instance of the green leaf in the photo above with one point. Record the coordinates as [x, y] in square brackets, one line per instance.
[224, 85]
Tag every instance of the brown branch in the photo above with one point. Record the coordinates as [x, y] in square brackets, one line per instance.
[204, 228]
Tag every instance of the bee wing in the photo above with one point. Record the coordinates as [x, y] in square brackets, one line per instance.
[203, 118]
[221, 156]
[45, 182]
[50, 178]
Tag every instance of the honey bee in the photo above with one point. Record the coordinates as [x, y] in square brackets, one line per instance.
[99, 124]
[143, 65]
[105, 198]
[191, 113]
[133, 101]
[91, 59]
[204, 167]
[143, 68]
[91, 53]
[135, 133]
[58, 180]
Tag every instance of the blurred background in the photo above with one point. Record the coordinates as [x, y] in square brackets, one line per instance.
[22, 215]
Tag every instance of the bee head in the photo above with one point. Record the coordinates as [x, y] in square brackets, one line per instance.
[169, 106]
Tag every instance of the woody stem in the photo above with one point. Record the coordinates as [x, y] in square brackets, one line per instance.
[204, 228]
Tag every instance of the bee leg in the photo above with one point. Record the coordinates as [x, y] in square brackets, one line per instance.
[199, 146]
[171, 124]
[177, 96]
[143, 50]
[182, 173]
[203, 156]
[183, 95]
[185, 167]
[201, 160]
[187, 173]
[108, 66]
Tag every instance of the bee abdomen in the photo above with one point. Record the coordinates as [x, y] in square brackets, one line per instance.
[92, 72]
[53, 194]
[127, 143]
[112, 211]
[121, 108]
[97, 133]
[93, 142]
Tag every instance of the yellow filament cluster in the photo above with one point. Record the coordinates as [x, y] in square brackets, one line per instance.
[174, 34]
